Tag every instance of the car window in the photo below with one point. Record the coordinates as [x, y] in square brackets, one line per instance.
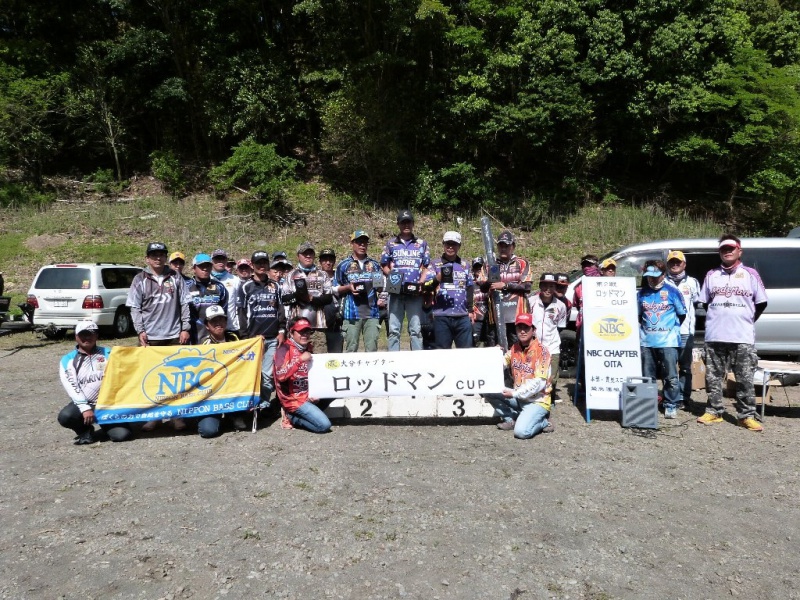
[700, 262]
[632, 265]
[777, 266]
[118, 278]
[56, 278]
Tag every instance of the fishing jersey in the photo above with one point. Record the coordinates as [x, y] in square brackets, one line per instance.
[452, 299]
[159, 304]
[318, 284]
[659, 312]
[201, 296]
[231, 283]
[81, 375]
[690, 289]
[530, 370]
[516, 274]
[260, 309]
[407, 256]
[291, 376]
[548, 320]
[731, 297]
[359, 306]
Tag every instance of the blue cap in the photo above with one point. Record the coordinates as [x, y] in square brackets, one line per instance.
[652, 271]
[199, 259]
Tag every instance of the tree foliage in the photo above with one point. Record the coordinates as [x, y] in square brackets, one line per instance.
[451, 105]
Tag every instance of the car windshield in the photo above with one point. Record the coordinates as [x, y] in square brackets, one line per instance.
[56, 278]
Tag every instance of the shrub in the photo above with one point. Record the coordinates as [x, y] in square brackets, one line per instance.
[167, 169]
[455, 187]
[16, 195]
[105, 182]
[260, 171]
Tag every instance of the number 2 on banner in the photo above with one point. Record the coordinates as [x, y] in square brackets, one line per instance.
[367, 404]
[459, 406]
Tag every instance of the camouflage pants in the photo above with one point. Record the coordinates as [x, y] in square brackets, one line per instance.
[722, 357]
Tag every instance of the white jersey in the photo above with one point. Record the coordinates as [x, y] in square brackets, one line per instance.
[689, 287]
[548, 320]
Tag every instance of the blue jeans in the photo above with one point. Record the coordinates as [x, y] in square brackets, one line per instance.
[208, 427]
[447, 330]
[311, 416]
[530, 417]
[267, 382]
[400, 306]
[685, 367]
[668, 357]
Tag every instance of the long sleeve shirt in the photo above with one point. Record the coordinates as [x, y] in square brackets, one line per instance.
[81, 375]
[159, 304]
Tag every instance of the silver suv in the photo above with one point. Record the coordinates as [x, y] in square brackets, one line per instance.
[62, 295]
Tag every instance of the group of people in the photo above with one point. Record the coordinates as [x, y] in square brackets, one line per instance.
[320, 306]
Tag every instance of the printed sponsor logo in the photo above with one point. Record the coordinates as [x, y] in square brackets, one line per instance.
[333, 364]
[612, 328]
[188, 375]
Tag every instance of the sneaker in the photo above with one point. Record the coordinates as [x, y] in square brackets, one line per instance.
[506, 425]
[549, 429]
[149, 426]
[680, 406]
[178, 424]
[239, 424]
[285, 422]
[87, 437]
[751, 424]
[671, 412]
[709, 418]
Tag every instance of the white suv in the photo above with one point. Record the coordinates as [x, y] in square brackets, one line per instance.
[62, 295]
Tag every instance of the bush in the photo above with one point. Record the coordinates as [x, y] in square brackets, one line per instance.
[167, 169]
[451, 188]
[260, 171]
[16, 195]
[105, 182]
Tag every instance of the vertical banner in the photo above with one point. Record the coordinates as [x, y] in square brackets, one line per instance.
[610, 338]
[164, 382]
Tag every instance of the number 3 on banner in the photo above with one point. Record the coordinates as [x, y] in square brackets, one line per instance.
[367, 404]
[459, 406]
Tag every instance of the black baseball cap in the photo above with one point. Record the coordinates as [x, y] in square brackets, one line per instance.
[506, 237]
[327, 252]
[156, 247]
[404, 215]
[259, 255]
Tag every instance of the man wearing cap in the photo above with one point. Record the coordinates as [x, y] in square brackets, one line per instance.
[220, 272]
[306, 292]
[177, 261]
[357, 281]
[292, 362]
[549, 318]
[159, 302]
[82, 372]
[661, 312]
[204, 291]
[735, 298]
[562, 285]
[216, 323]
[589, 269]
[480, 305]
[261, 314]
[279, 266]
[408, 256]
[690, 290]
[514, 287]
[526, 407]
[244, 270]
[608, 268]
[454, 287]
[334, 340]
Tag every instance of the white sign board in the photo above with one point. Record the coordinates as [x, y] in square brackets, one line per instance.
[611, 350]
[421, 373]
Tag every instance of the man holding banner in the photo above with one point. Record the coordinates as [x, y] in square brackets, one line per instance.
[526, 407]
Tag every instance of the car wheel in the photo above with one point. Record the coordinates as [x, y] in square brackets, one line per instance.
[123, 325]
[569, 353]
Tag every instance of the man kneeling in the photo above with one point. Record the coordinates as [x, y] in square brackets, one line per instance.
[82, 372]
[292, 361]
[525, 408]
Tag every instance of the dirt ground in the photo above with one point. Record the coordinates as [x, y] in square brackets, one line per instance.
[393, 510]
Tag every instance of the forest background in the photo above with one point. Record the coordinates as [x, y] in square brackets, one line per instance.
[524, 109]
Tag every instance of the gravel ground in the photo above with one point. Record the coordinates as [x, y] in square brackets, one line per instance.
[392, 510]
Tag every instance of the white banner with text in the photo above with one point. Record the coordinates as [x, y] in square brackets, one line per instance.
[610, 338]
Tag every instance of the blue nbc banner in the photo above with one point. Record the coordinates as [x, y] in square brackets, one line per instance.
[163, 382]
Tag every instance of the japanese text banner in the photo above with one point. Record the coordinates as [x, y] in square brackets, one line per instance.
[424, 373]
[162, 382]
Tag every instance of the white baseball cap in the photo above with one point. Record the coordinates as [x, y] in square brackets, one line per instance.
[215, 311]
[451, 236]
[86, 326]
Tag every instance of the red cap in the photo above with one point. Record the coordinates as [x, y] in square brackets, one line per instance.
[301, 324]
[524, 319]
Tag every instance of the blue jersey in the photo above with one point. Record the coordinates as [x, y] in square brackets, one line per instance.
[659, 312]
[368, 271]
[451, 298]
[407, 256]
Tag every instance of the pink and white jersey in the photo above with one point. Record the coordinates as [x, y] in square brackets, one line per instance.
[731, 299]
